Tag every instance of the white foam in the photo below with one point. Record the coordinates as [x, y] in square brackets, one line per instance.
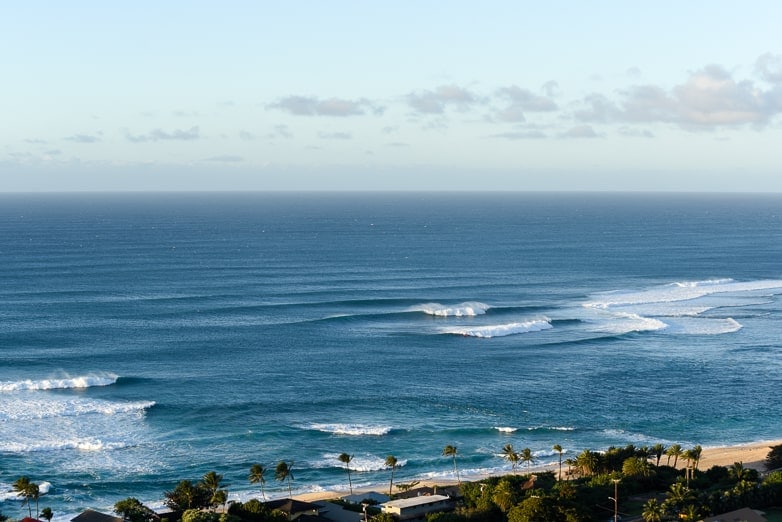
[84, 381]
[499, 330]
[351, 429]
[26, 406]
[505, 429]
[466, 309]
[361, 463]
[684, 291]
[80, 444]
[703, 326]
[622, 323]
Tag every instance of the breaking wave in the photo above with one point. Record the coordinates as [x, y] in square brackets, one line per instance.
[28, 408]
[683, 291]
[506, 429]
[467, 309]
[355, 430]
[85, 381]
[499, 330]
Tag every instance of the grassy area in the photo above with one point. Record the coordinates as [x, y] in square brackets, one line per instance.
[774, 514]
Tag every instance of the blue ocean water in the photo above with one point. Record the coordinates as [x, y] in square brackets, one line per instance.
[148, 338]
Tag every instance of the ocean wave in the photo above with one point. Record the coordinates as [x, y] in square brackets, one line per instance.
[704, 326]
[28, 408]
[505, 429]
[466, 309]
[80, 444]
[683, 291]
[499, 330]
[622, 323]
[361, 463]
[7, 493]
[551, 428]
[356, 430]
[85, 381]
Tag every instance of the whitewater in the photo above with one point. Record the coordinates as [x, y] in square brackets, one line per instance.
[149, 338]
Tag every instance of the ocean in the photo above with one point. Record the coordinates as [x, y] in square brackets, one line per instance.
[149, 338]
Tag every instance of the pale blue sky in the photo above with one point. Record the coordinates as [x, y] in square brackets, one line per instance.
[424, 95]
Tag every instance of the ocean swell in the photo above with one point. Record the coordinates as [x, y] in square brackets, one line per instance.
[466, 309]
[85, 381]
[499, 330]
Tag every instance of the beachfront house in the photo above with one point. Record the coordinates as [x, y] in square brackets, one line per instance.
[90, 515]
[294, 508]
[740, 515]
[415, 508]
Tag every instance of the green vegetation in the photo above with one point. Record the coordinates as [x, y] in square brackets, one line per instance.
[632, 480]
[346, 459]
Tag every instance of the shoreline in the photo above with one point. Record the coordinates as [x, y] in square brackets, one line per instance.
[751, 455]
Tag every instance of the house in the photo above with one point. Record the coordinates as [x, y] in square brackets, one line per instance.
[417, 507]
[89, 515]
[293, 508]
[740, 515]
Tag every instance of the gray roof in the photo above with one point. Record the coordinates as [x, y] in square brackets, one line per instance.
[90, 515]
[416, 501]
[740, 515]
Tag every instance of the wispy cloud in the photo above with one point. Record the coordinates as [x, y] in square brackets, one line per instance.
[710, 98]
[336, 107]
[518, 101]
[335, 136]
[190, 134]
[225, 158]
[520, 135]
[436, 101]
[580, 131]
[83, 138]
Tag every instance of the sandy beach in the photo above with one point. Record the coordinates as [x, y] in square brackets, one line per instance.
[750, 455]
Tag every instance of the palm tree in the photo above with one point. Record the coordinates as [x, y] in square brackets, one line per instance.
[559, 450]
[283, 472]
[587, 463]
[511, 455]
[653, 511]
[738, 472]
[27, 490]
[450, 451]
[637, 467]
[219, 498]
[47, 514]
[391, 463]
[256, 477]
[345, 459]
[696, 456]
[211, 482]
[658, 450]
[675, 451]
[527, 456]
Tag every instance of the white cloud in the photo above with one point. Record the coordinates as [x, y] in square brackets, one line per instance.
[435, 102]
[580, 131]
[709, 99]
[313, 106]
[83, 138]
[190, 134]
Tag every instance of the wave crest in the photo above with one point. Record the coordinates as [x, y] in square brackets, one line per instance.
[500, 330]
[466, 309]
[84, 381]
[355, 430]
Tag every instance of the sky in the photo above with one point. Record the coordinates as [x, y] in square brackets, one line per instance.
[398, 95]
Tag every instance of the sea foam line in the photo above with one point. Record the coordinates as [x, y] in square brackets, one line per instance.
[350, 429]
[500, 330]
[466, 309]
[85, 381]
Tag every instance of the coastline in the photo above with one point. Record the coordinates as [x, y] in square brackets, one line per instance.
[751, 455]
